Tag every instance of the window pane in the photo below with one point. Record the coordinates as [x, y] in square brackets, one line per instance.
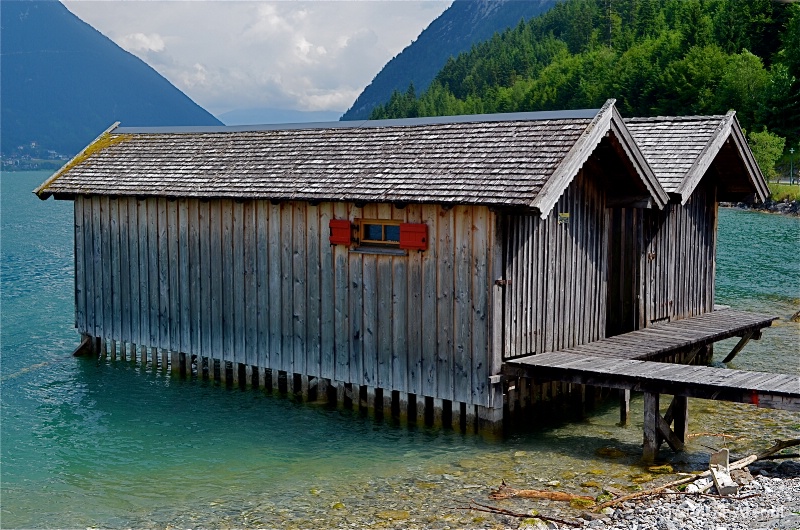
[373, 232]
[393, 233]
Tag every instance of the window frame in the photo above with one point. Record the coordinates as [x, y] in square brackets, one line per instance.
[378, 243]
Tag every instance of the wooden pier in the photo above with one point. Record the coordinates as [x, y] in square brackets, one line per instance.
[629, 362]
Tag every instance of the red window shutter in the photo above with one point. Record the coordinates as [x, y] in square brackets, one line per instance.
[340, 231]
[414, 236]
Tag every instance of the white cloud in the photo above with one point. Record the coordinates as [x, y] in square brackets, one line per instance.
[315, 55]
[139, 42]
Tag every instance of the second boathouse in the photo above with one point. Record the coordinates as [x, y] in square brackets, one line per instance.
[401, 260]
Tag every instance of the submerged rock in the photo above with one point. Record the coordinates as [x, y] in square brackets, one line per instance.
[609, 452]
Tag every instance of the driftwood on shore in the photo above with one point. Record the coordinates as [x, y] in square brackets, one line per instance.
[505, 492]
[739, 464]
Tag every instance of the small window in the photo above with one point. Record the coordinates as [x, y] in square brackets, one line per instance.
[379, 233]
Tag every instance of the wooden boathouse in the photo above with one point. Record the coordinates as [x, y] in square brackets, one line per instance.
[411, 265]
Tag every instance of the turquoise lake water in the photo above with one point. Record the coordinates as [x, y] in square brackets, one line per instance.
[109, 444]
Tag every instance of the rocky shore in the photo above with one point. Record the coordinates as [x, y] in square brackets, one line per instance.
[769, 499]
[769, 206]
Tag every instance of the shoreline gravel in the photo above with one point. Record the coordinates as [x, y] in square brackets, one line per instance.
[769, 501]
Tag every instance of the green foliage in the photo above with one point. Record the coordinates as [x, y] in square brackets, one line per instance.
[767, 148]
[784, 192]
[656, 57]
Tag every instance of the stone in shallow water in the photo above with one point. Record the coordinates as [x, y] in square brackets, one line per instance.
[532, 524]
[394, 515]
[609, 452]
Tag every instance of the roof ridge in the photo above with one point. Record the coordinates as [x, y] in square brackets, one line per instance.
[674, 118]
[576, 114]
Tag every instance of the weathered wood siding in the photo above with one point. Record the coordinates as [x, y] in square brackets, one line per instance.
[662, 262]
[259, 284]
[556, 297]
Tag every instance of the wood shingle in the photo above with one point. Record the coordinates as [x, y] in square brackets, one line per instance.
[495, 160]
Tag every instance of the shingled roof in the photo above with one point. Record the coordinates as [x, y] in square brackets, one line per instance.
[517, 160]
[681, 149]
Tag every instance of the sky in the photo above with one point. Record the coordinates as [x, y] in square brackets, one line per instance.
[230, 54]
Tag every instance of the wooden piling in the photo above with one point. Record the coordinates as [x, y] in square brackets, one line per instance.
[624, 406]
[651, 417]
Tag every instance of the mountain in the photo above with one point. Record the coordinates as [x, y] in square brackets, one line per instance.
[259, 116]
[463, 24]
[656, 57]
[63, 83]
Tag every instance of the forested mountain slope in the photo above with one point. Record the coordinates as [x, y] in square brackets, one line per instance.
[63, 83]
[464, 23]
[656, 57]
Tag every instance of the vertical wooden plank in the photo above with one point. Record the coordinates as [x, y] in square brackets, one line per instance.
[80, 264]
[400, 318]
[529, 286]
[549, 226]
[430, 325]
[384, 317]
[251, 289]
[463, 302]
[125, 266]
[173, 253]
[444, 299]
[134, 270]
[287, 287]
[356, 337]
[97, 267]
[341, 304]
[162, 251]
[651, 412]
[153, 273]
[712, 234]
[512, 298]
[540, 277]
[327, 300]
[299, 271]
[192, 280]
[313, 295]
[414, 315]
[206, 313]
[276, 289]
[481, 286]
[115, 284]
[230, 281]
[264, 301]
[603, 266]
[144, 273]
[239, 285]
[369, 316]
[217, 346]
[492, 407]
[105, 245]
[184, 279]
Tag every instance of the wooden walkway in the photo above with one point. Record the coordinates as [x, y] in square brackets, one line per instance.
[664, 339]
[768, 390]
[627, 362]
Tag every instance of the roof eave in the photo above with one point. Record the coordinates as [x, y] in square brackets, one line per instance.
[607, 119]
[706, 157]
[753, 171]
[571, 164]
[659, 196]
[42, 191]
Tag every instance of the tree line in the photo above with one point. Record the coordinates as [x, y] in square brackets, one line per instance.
[656, 57]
